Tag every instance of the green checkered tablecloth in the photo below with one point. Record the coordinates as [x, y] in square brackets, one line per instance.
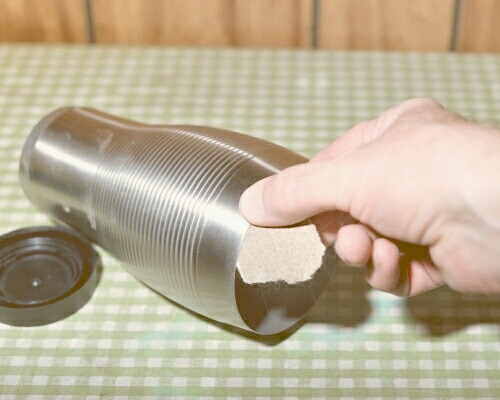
[355, 343]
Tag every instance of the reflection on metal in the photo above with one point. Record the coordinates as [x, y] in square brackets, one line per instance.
[164, 200]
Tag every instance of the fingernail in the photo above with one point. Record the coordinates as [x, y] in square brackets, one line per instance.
[327, 238]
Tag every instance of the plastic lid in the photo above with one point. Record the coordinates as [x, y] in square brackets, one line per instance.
[46, 274]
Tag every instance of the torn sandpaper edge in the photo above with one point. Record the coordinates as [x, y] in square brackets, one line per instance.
[291, 254]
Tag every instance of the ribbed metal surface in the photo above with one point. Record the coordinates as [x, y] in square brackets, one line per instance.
[163, 199]
[157, 184]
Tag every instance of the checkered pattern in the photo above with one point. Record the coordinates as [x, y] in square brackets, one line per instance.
[355, 343]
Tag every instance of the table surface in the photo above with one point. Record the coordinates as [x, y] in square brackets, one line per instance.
[354, 343]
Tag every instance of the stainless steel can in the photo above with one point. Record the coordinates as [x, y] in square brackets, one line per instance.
[164, 200]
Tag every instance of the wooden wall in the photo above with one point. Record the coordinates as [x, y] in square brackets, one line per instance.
[387, 24]
[280, 23]
[418, 25]
[42, 21]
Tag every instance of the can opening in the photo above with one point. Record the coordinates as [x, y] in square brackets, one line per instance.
[272, 307]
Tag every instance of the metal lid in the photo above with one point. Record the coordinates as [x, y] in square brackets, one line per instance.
[46, 274]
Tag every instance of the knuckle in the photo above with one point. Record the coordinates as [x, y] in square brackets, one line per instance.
[421, 103]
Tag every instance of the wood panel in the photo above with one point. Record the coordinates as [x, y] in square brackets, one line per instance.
[478, 26]
[420, 25]
[42, 21]
[268, 23]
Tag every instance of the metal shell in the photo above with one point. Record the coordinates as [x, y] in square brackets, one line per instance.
[164, 200]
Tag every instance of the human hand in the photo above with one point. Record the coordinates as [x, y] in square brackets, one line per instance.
[413, 195]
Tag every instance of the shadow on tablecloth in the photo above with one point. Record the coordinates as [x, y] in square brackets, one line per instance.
[443, 311]
[344, 302]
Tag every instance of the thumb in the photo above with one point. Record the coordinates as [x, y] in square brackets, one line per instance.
[299, 192]
[305, 190]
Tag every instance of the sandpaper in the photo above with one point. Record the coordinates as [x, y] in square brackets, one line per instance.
[291, 254]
